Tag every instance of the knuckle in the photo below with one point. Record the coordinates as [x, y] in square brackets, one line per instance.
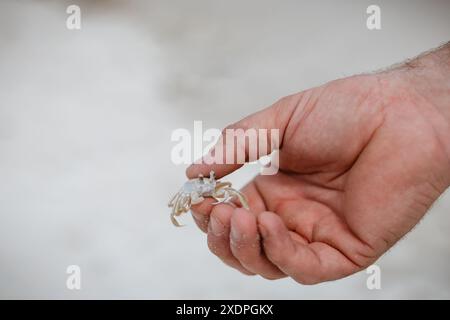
[228, 128]
[288, 101]
[243, 124]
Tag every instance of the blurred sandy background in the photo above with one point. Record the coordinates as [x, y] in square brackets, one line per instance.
[85, 124]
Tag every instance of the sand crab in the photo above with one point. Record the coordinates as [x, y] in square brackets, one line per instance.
[195, 190]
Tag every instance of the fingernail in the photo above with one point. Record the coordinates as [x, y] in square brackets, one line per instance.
[217, 227]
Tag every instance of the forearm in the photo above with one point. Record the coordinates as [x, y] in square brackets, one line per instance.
[429, 75]
[427, 78]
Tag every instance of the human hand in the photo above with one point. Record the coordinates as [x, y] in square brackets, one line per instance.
[361, 161]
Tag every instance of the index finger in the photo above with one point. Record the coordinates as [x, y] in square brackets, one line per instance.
[226, 156]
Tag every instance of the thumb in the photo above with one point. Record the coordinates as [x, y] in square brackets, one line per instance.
[247, 140]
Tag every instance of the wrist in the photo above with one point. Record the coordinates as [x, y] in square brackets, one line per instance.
[425, 83]
[427, 80]
[429, 76]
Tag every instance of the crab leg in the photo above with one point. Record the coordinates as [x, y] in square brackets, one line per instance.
[222, 185]
[177, 211]
[225, 193]
[185, 204]
[174, 221]
[221, 195]
[233, 192]
[196, 190]
[174, 212]
[174, 199]
[180, 205]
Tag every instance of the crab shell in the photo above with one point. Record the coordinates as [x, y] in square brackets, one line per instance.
[194, 191]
